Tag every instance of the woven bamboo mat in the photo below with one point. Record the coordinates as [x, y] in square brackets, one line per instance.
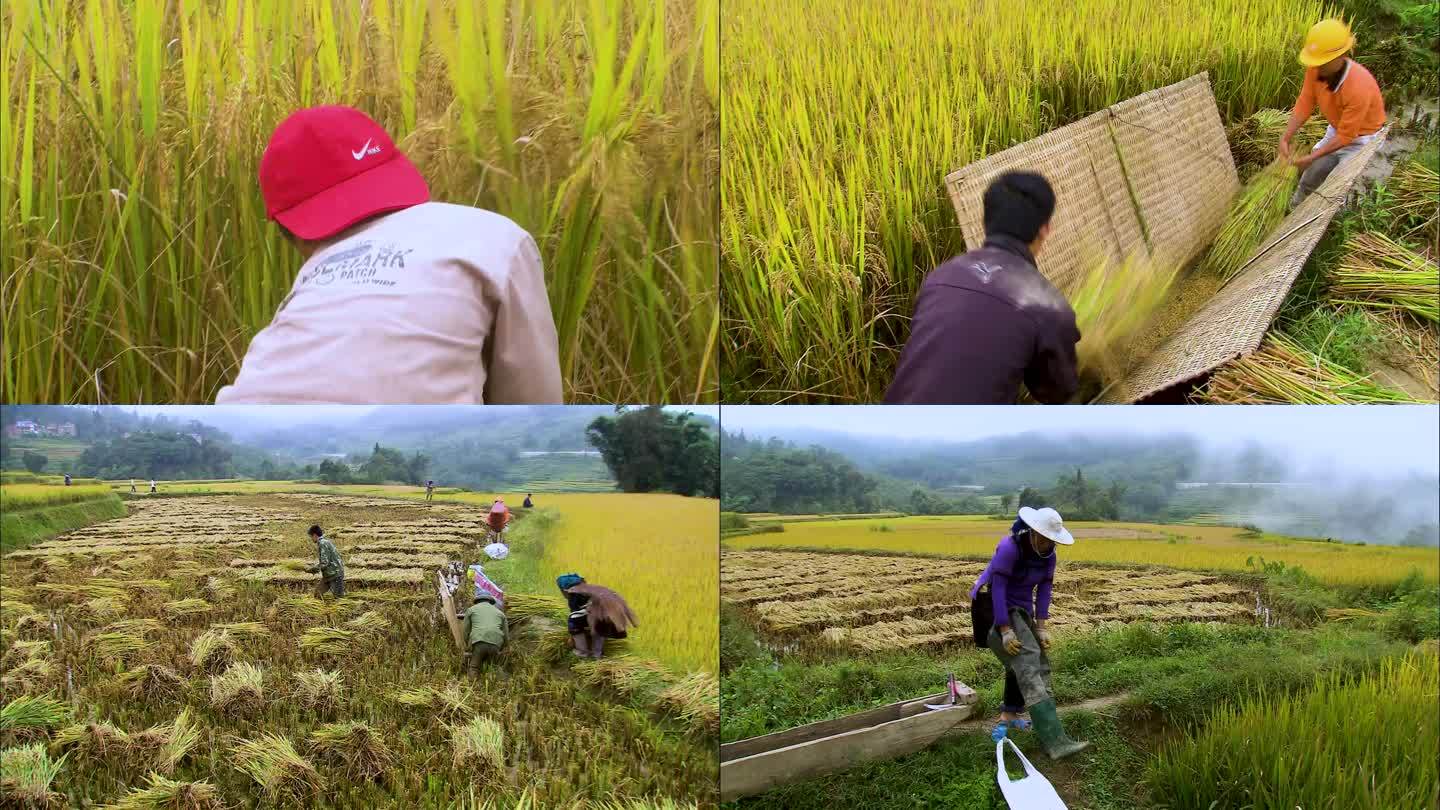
[1234, 322]
[1173, 148]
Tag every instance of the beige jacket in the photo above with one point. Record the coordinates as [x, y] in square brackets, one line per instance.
[436, 303]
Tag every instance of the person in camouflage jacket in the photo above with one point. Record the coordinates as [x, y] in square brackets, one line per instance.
[330, 567]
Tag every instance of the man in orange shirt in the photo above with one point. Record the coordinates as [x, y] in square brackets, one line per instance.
[1348, 97]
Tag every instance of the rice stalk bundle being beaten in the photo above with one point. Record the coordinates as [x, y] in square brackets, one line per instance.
[1260, 206]
[1282, 372]
[274, 764]
[355, 747]
[1255, 139]
[1380, 273]
[1112, 304]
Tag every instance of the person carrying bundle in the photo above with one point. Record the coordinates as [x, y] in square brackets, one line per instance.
[329, 566]
[1347, 95]
[485, 632]
[596, 613]
[987, 320]
[1009, 605]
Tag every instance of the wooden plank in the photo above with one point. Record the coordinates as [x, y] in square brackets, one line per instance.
[909, 728]
[824, 728]
[447, 604]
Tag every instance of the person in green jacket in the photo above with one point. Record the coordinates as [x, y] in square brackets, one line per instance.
[485, 632]
[332, 570]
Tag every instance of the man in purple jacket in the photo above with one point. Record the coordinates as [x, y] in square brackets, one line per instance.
[986, 320]
[1020, 576]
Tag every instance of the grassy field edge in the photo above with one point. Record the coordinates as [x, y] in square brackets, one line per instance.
[22, 528]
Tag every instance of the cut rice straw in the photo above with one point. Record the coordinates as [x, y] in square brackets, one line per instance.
[1282, 372]
[1380, 273]
[1259, 207]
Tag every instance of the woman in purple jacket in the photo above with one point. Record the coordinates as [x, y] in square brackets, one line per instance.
[1019, 578]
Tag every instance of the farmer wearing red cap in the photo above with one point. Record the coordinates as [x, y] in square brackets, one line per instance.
[400, 299]
[1347, 96]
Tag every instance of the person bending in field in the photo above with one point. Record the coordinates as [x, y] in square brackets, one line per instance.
[399, 299]
[485, 632]
[1347, 96]
[987, 320]
[498, 517]
[596, 613]
[330, 566]
[529, 503]
[1016, 584]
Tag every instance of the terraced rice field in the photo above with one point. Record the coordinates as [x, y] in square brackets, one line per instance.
[182, 639]
[1204, 548]
[872, 603]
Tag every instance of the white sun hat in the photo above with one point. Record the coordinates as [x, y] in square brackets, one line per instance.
[1047, 522]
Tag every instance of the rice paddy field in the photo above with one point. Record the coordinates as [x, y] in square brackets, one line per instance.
[177, 657]
[914, 603]
[139, 263]
[1193, 547]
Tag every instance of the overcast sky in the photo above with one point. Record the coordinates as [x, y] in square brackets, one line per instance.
[1400, 437]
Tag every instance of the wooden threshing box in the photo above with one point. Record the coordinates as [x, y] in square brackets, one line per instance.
[752, 766]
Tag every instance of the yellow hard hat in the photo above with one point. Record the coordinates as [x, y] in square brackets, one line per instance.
[1327, 39]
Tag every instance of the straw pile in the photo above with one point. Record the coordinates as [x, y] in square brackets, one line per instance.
[1260, 206]
[279, 770]
[1380, 273]
[1416, 187]
[1283, 372]
[168, 793]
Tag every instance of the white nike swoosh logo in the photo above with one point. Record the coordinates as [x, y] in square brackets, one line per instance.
[361, 153]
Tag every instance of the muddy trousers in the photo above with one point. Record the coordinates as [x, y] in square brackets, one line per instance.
[335, 585]
[1029, 670]
[481, 654]
[1316, 173]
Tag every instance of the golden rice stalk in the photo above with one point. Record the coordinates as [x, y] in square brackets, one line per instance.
[240, 689]
[34, 625]
[219, 590]
[1260, 206]
[184, 608]
[1283, 372]
[278, 768]
[26, 716]
[13, 609]
[212, 650]
[371, 622]
[94, 742]
[103, 606]
[1113, 303]
[25, 776]
[120, 647]
[300, 609]
[354, 747]
[328, 640]
[478, 743]
[139, 627]
[1415, 188]
[243, 630]
[1254, 140]
[1349, 614]
[1380, 273]
[657, 803]
[31, 676]
[527, 605]
[151, 683]
[166, 794]
[318, 690]
[695, 699]
[26, 650]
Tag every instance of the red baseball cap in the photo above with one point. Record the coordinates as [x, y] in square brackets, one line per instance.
[327, 168]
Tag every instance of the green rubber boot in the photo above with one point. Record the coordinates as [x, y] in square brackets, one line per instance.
[1052, 735]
